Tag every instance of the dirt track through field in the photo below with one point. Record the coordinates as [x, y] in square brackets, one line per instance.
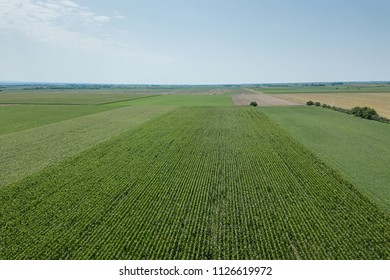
[262, 99]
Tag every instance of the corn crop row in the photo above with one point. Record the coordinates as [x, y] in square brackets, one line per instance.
[197, 183]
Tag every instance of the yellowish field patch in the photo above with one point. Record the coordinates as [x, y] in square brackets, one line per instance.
[379, 101]
[25, 152]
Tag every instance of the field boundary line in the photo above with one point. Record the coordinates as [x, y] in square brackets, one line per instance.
[126, 100]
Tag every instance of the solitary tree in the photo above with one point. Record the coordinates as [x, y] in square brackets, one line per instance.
[309, 103]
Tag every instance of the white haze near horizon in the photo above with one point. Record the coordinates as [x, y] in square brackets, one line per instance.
[194, 42]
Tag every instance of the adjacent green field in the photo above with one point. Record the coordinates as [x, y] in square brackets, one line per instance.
[25, 152]
[16, 117]
[358, 148]
[196, 183]
[65, 97]
[181, 100]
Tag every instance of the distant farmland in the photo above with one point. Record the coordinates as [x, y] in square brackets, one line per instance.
[345, 96]
[189, 176]
[379, 101]
[66, 98]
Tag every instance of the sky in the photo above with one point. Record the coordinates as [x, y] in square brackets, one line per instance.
[194, 42]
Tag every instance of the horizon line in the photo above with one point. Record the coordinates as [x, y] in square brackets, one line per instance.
[189, 84]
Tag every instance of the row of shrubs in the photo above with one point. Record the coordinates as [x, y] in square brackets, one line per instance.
[362, 112]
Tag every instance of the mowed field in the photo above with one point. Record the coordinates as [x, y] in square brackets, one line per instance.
[178, 176]
[379, 101]
[346, 95]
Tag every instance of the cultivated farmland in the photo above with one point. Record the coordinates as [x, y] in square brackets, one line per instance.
[231, 185]
[66, 97]
[180, 173]
[347, 95]
[28, 151]
[15, 118]
[262, 100]
[179, 100]
[379, 101]
[358, 148]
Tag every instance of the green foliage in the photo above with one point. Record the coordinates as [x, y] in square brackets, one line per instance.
[339, 109]
[253, 103]
[181, 100]
[309, 103]
[358, 149]
[24, 152]
[196, 183]
[66, 97]
[15, 118]
[364, 112]
[381, 119]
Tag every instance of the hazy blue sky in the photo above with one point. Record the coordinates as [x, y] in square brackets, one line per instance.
[194, 42]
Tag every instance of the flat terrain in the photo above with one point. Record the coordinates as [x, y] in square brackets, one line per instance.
[180, 100]
[65, 97]
[379, 101]
[207, 90]
[28, 151]
[356, 147]
[19, 117]
[178, 172]
[195, 183]
[262, 100]
[324, 88]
